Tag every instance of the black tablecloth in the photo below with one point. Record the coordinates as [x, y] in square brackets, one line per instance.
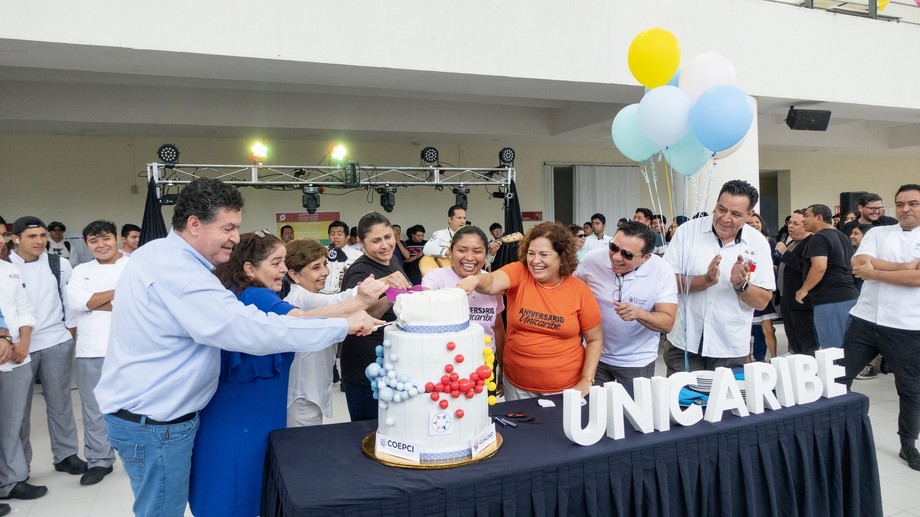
[811, 460]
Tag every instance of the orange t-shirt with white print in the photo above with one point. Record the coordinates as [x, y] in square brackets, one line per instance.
[543, 347]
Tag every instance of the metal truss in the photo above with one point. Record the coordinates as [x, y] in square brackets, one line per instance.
[310, 178]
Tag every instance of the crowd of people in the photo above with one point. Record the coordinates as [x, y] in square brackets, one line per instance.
[242, 334]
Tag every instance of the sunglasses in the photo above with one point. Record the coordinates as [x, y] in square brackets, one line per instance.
[628, 255]
[258, 233]
[580, 235]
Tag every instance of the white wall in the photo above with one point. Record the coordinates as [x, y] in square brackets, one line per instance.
[778, 50]
[820, 179]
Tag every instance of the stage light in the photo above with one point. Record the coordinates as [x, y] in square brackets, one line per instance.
[311, 198]
[387, 198]
[502, 193]
[351, 174]
[168, 199]
[258, 152]
[338, 153]
[460, 198]
[168, 154]
[506, 156]
[430, 155]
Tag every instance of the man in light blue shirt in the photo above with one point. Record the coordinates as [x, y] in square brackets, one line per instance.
[170, 318]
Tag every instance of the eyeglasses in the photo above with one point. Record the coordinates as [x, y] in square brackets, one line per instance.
[873, 208]
[628, 255]
[618, 292]
[580, 235]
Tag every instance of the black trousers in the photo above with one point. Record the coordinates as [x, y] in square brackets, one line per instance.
[901, 349]
[800, 329]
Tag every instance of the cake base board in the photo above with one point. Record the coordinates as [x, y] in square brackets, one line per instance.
[368, 445]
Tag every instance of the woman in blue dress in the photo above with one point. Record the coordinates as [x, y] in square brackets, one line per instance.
[251, 397]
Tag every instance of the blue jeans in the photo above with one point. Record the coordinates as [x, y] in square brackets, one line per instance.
[831, 321]
[158, 461]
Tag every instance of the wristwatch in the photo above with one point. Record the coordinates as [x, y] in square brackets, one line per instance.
[8, 338]
[743, 288]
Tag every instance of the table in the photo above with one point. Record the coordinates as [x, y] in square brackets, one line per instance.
[810, 460]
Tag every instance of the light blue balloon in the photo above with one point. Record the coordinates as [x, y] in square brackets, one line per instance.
[627, 136]
[687, 156]
[664, 115]
[721, 117]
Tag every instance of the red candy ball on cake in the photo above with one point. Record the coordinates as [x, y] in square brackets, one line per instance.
[458, 358]
[458, 413]
[448, 368]
[454, 377]
[443, 403]
[451, 346]
[483, 372]
[434, 395]
[429, 386]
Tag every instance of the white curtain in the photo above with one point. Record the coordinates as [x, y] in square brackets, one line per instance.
[609, 189]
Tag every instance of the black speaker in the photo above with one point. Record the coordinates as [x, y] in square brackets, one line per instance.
[808, 120]
[849, 201]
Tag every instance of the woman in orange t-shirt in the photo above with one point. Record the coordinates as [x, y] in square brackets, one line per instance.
[549, 311]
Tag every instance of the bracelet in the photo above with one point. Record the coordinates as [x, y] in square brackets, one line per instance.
[589, 379]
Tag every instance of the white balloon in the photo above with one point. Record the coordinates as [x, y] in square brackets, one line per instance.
[731, 150]
[705, 71]
[664, 115]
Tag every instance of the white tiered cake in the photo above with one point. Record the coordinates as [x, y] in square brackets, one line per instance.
[431, 378]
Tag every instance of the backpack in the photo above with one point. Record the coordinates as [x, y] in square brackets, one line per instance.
[66, 245]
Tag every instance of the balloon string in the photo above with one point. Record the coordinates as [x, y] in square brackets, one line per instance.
[660, 208]
[686, 252]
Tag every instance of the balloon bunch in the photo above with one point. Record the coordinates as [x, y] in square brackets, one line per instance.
[692, 114]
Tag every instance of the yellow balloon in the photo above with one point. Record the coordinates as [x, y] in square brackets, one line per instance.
[654, 56]
[492, 386]
[492, 400]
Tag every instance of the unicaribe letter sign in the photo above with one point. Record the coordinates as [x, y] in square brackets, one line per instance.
[784, 382]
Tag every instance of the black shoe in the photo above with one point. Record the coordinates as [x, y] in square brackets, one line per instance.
[335, 374]
[911, 455]
[23, 490]
[4, 509]
[95, 475]
[72, 465]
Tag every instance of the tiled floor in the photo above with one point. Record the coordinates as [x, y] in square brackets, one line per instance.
[112, 497]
